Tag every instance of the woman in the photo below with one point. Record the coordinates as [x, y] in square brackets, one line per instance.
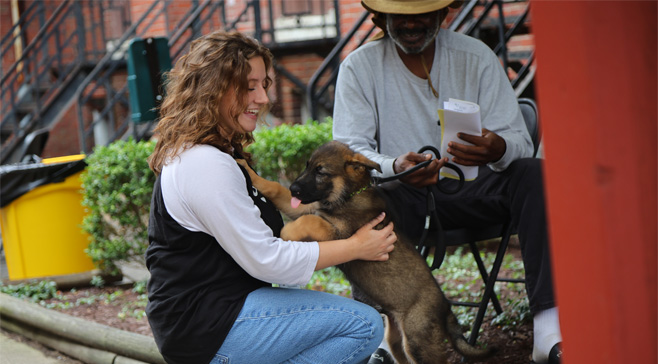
[214, 251]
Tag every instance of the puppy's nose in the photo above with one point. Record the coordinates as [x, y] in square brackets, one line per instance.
[295, 190]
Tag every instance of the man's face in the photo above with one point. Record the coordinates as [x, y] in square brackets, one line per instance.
[413, 33]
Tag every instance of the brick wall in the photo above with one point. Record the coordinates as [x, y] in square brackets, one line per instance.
[290, 104]
[5, 27]
[63, 136]
[288, 99]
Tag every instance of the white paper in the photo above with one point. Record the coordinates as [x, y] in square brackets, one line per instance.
[458, 116]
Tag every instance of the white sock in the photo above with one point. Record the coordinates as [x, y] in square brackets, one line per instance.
[384, 345]
[546, 334]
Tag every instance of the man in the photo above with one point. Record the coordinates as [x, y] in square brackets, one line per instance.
[387, 95]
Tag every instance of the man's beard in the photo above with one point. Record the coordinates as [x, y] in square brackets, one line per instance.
[430, 34]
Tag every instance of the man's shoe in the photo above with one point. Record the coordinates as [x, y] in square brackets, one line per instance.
[381, 356]
[554, 356]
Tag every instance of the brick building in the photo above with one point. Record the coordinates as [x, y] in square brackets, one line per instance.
[64, 61]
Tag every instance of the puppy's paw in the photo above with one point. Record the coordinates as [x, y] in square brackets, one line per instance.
[246, 166]
[243, 163]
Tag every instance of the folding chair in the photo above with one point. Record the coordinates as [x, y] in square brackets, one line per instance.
[454, 237]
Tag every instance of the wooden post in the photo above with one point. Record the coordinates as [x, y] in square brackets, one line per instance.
[596, 87]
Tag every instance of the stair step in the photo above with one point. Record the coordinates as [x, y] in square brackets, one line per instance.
[26, 107]
[26, 93]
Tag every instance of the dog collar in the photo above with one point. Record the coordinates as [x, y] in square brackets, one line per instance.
[359, 191]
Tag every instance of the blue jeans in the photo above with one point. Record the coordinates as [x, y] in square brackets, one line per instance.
[280, 325]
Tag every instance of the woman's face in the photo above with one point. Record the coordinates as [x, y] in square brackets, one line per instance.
[256, 95]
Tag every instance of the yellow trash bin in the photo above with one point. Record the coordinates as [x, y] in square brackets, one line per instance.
[41, 218]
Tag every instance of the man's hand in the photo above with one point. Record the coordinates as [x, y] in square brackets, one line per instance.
[485, 149]
[423, 177]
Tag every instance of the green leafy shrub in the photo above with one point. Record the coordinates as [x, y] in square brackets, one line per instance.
[35, 291]
[117, 186]
[330, 280]
[280, 153]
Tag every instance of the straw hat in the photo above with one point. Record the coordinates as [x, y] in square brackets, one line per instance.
[406, 6]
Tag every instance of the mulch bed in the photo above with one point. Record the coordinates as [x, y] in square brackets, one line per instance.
[514, 345]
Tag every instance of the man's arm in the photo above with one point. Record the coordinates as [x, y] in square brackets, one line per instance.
[505, 137]
[356, 115]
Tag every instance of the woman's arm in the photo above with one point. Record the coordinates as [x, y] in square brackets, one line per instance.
[366, 244]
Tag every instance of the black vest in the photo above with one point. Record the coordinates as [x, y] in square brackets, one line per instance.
[196, 289]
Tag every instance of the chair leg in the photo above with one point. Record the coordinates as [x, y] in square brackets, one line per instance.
[484, 274]
[489, 286]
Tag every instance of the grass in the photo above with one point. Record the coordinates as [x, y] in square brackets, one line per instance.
[458, 277]
[45, 293]
[460, 280]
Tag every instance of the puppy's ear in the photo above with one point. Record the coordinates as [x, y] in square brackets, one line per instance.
[360, 159]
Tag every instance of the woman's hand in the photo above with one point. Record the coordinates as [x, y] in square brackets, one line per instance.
[366, 244]
[374, 244]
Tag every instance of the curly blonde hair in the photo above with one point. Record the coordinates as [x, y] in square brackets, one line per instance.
[191, 111]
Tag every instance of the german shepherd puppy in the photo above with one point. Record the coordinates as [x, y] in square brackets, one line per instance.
[337, 198]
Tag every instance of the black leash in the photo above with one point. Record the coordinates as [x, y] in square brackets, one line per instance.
[432, 215]
[420, 165]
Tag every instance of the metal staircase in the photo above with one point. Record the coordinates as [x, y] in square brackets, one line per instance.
[42, 80]
[73, 53]
[73, 61]
[106, 84]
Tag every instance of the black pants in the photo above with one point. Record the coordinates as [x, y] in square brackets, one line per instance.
[490, 199]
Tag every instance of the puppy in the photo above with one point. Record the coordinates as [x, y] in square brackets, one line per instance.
[331, 199]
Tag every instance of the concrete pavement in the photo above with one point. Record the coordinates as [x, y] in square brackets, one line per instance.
[15, 352]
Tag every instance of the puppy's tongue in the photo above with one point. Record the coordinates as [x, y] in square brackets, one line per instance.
[294, 202]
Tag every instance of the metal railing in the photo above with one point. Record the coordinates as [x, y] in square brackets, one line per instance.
[84, 62]
[319, 95]
[106, 85]
[59, 53]
[470, 23]
[34, 87]
[29, 82]
[113, 118]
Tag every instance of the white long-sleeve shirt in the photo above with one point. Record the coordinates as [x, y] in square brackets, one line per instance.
[204, 190]
[374, 87]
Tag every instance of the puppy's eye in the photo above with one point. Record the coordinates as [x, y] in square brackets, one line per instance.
[320, 171]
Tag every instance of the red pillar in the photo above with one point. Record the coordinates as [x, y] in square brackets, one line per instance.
[596, 87]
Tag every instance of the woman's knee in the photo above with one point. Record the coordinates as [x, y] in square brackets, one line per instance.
[376, 322]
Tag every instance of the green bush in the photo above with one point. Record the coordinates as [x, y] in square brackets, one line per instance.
[280, 153]
[117, 186]
[34, 291]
